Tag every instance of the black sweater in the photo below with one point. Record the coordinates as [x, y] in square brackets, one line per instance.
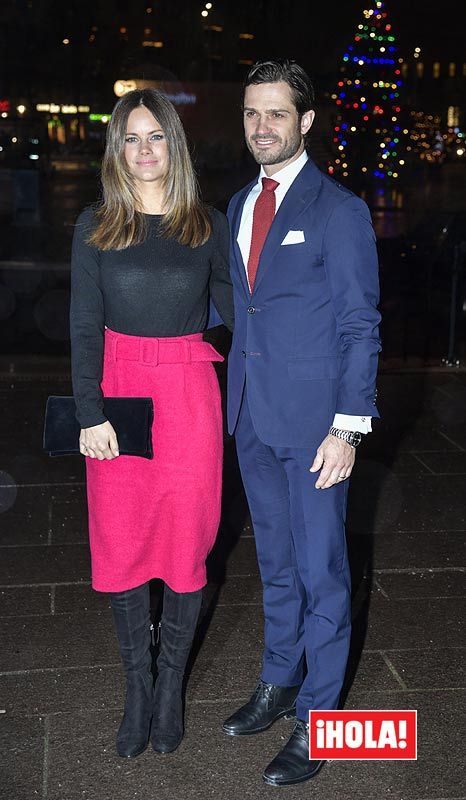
[158, 288]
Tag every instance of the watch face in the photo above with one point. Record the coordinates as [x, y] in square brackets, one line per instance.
[356, 438]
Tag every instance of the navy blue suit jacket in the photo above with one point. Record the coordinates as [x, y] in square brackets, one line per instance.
[307, 339]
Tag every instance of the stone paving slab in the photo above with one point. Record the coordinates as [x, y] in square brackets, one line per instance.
[22, 749]
[423, 585]
[381, 500]
[438, 549]
[430, 668]
[44, 564]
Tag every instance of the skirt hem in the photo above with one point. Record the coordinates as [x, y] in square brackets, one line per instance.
[175, 587]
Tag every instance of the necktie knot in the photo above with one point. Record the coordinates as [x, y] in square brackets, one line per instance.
[269, 185]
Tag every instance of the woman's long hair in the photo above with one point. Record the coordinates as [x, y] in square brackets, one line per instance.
[120, 222]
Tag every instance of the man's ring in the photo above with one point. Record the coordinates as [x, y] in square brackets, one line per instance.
[342, 477]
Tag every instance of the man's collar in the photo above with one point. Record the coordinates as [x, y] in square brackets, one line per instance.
[286, 175]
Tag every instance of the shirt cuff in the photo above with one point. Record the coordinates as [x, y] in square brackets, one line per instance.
[346, 422]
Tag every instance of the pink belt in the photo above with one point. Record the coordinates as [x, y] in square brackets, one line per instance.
[152, 350]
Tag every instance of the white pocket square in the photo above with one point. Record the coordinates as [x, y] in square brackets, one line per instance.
[294, 237]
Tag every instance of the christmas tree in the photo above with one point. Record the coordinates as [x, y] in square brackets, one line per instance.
[369, 133]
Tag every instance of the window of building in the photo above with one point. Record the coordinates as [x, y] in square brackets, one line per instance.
[453, 116]
[419, 69]
[436, 69]
[452, 69]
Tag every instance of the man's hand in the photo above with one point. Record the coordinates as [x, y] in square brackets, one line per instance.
[100, 442]
[335, 458]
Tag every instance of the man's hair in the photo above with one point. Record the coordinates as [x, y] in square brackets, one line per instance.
[284, 69]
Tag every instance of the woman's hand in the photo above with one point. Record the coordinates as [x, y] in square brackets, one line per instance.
[100, 442]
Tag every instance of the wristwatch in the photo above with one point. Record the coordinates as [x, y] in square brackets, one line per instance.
[351, 437]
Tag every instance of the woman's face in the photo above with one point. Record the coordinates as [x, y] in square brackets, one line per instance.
[146, 149]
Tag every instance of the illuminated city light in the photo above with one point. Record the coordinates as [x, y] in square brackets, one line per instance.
[66, 41]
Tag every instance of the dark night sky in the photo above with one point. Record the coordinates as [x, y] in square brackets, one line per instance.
[439, 28]
[314, 33]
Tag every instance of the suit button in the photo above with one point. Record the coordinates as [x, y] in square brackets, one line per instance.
[251, 310]
[243, 353]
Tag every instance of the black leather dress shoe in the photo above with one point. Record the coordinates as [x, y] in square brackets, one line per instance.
[268, 703]
[292, 763]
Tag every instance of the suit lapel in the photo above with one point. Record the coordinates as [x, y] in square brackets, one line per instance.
[235, 223]
[302, 192]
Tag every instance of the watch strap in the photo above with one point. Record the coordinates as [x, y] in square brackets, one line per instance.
[353, 438]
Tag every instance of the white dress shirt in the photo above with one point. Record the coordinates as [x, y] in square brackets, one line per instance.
[285, 178]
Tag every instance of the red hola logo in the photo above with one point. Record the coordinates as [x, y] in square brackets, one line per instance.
[367, 734]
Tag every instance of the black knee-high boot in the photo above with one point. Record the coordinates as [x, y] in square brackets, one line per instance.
[131, 615]
[179, 618]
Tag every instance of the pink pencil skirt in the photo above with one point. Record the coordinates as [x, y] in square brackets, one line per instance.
[159, 518]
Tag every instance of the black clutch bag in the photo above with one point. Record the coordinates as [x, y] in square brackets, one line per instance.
[131, 418]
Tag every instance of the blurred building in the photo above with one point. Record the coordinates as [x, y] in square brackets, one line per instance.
[59, 61]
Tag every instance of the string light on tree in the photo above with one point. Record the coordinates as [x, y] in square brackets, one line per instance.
[368, 132]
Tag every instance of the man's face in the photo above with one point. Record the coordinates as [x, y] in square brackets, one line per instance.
[274, 133]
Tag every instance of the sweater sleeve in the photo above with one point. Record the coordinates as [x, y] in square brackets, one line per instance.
[86, 326]
[220, 286]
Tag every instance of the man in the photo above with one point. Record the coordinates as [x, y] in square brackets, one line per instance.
[301, 380]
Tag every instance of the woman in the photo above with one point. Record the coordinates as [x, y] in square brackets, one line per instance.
[144, 265]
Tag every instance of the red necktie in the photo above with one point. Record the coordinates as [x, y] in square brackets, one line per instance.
[264, 212]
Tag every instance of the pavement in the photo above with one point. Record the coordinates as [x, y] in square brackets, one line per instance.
[61, 684]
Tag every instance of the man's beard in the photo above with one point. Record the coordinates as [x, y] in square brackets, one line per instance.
[267, 157]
